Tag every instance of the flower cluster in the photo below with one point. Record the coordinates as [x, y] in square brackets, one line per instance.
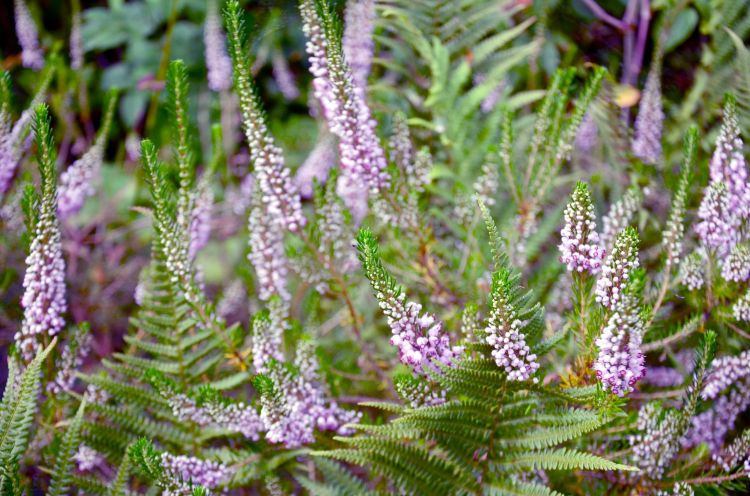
[736, 454]
[76, 42]
[316, 165]
[505, 334]
[268, 334]
[620, 363]
[650, 120]
[741, 308]
[620, 262]
[189, 469]
[663, 377]
[718, 228]
[619, 217]
[724, 372]
[417, 393]
[200, 217]
[32, 55]
[77, 181]
[11, 145]
[579, 247]
[679, 489]
[587, 135]
[712, 426]
[344, 107]
[357, 42]
[283, 76]
[657, 444]
[297, 403]
[736, 267]
[692, 270]
[72, 358]
[43, 299]
[217, 61]
[87, 458]
[728, 164]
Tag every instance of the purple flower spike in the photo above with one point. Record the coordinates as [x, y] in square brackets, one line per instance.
[580, 250]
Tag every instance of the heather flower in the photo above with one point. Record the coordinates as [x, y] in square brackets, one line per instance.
[71, 360]
[505, 332]
[718, 229]
[728, 164]
[400, 148]
[200, 218]
[267, 252]
[736, 454]
[712, 426]
[76, 42]
[316, 165]
[724, 372]
[417, 393]
[283, 411]
[486, 186]
[619, 217]
[679, 489]
[344, 107]
[77, 181]
[620, 363]
[579, 247]
[736, 267]
[657, 444]
[621, 261]
[87, 458]
[218, 63]
[692, 270]
[268, 335]
[357, 41]
[674, 232]
[11, 145]
[587, 135]
[32, 55]
[44, 282]
[741, 309]
[233, 300]
[207, 473]
[648, 124]
[664, 377]
[283, 76]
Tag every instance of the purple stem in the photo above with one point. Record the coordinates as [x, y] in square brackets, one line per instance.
[602, 14]
[645, 19]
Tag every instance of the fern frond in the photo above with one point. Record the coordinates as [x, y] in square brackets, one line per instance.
[62, 473]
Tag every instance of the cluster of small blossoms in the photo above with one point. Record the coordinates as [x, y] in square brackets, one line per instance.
[505, 335]
[620, 363]
[728, 164]
[400, 148]
[724, 372]
[11, 145]
[233, 417]
[420, 338]
[718, 228]
[736, 267]
[657, 444]
[70, 361]
[674, 232]
[679, 489]
[299, 404]
[648, 124]
[232, 301]
[267, 253]
[587, 135]
[87, 458]
[43, 299]
[693, 270]
[207, 473]
[218, 63]
[579, 247]
[619, 217]
[417, 393]
[664, 377]
[741, 309]
[283, 76]
[736, 454]
[345, 108]
[620, 262]
[712, 426]
[268, 334]
[77, 181]
[76, 42]
[32, 56]
[316, 165]
[357, 42]
[200, 218]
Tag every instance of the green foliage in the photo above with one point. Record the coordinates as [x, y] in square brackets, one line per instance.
[61, 475]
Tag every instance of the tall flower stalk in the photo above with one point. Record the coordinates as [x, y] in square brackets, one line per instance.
[44, 301]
